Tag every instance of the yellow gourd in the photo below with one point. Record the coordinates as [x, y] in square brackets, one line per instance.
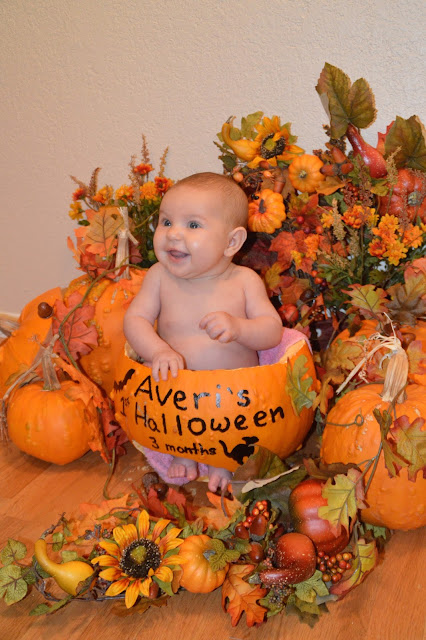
[67, 575]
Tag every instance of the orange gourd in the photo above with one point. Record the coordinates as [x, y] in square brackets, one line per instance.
[407, 197]
[266, 213]
[217, 417]
[305, 173]
[111, 299]
[197, 573]
[394, 502]
[19, 350]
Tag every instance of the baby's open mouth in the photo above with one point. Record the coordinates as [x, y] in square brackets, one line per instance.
[177, 254]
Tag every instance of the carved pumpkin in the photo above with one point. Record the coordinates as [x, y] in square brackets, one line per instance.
[19, 350]
[266, 213]
[111, 299]
[408, 196]
[397, 503]
[197, 573]
[304, 173]
[217, 417]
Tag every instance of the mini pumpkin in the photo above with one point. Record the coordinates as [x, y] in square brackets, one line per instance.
[266, 212]
[407, 197]
[197, 573]
[305, 173]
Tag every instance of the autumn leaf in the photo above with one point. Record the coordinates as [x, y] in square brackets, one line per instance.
[78, 335]
[407, 139]
[344, 495]
[368, 298]
[416, 357]
[309, 589]
[214, 516]
[104, 516]
[101, 234]
[239, 596]
[297, 387]
[410, 441]
[294, 288]
[365, 559]
[393, 461]
[284, 243]
[12, 585]
[275, 279]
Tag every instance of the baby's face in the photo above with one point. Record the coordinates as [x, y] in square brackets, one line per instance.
[192, 233]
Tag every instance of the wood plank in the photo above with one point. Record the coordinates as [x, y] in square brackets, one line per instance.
[389, 605]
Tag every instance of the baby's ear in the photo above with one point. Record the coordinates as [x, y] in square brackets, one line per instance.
[236, 239]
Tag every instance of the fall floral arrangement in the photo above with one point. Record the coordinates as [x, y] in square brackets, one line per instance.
[339, 238]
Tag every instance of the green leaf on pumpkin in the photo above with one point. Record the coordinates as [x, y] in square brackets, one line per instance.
[344, 495]
[13, 552]
[221, 556]
[297, 388]
[408, 139]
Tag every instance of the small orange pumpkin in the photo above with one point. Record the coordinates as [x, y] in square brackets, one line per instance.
[197, 573]
[408, 196]
[305, 173]
[267, 212]
[394, 502]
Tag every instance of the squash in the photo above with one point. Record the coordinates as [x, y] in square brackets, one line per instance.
[266, 213]
[111, 299]
[303, 505]
[197, 573]
[305, 173]
[352, 435]
[294, 561]
[407, 197]
[18, 351]
[217, 417]
[67, 575]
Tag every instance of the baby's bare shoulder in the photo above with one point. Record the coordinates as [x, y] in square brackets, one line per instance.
[246, 275]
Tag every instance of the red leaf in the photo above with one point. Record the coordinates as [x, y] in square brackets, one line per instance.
[79, 337]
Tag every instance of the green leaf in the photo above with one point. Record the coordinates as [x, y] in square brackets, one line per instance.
[43, 609]
[248, 123]
[58, 541]
[164, 586]
[29, 575]
[69, 555]
[234, 133]
[344, 496]
[309, 589]
[333, 87]
[365, 559]
[299, 390]
[378, 532]
[229, 162]
[362, 111]
[193, 528]
[12, 586]
[221, 556]
[368, 298]
[411, 443]
[13, 552]
[407, 137]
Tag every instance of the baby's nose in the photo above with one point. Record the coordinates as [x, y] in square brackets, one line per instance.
[174, 232]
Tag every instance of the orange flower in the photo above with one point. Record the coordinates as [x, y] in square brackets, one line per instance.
[327, 220]
[376, 248]
[387, 228]
[138, 556]
[267, 213]
[395, 253]
[104, 195]
[412, 236]
[79, 194]
[297, 257]
[75, 212]
[124, 192]
[358, 215]
[312, 243]
[142, 168]
[149, 191]
[163, 184]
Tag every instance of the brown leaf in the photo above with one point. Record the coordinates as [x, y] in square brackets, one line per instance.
[239, 596]
[79, 337]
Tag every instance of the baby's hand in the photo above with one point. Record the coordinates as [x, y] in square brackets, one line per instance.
[164, 360]
[220, 326]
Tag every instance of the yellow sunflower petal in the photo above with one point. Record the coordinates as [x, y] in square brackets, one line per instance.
[111, 574]
[175, 559]
[105, 561]
[171, 544]
[159, 527]
[111, 548]
[132, 593]
[165, 574]
[117, 587]
[144, 587]
[125, 535]
[142, 524]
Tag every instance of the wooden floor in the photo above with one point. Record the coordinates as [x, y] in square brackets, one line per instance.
[390, 605]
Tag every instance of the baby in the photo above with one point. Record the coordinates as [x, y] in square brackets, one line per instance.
[210, 313]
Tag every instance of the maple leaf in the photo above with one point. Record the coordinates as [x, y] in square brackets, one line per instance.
[239, 596]
[100, 235]
[408, 302]
[414, 268]
[393, 461]
[410, 441]
[214, 516]
[365, 559]
[368, 298]
[103, 515]
[258, 256]
[284, 243]
[344, 495]
[297, 388]
[416, 357]
[275, 279]
[79, 337]
[293, 289]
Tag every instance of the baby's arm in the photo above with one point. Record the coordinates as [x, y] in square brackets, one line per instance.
[262, 329]
[139, 328]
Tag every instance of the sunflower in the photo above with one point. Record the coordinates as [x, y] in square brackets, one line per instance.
[136, 558]
[274, 142]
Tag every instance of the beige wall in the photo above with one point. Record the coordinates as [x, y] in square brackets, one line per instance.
[82, 79]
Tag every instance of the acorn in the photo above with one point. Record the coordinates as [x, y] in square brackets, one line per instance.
[44, 310]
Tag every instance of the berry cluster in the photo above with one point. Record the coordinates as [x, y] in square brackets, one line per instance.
[256, 523]
[332, 567]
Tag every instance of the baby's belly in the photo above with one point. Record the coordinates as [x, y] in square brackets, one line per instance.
[200, 352]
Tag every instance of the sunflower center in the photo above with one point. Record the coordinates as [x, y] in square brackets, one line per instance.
[272, 149]
[139, 557]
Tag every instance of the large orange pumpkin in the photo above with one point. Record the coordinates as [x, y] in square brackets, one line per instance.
[408, 196]
[111, 299]
[397, 503]
[18, 351]
[217, 417]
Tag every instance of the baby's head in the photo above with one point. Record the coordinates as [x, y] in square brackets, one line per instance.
[202, 224]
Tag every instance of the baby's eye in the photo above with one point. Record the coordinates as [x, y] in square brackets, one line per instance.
[166, 223]
[193, 225]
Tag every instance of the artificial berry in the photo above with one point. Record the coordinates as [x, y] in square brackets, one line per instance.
[255, 511]
[44, 310]
[347, 556]
[336, 577]
[329, 564]
[238, 176]
[321, 554]
[241, 531]
[342, 564]
[326, 577]
[318, 280]
[300, 220]
[339, 557]
[348, 565]
[161, 489]
[322, 567]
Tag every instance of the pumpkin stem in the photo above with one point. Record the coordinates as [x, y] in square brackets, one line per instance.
[50, 377]
[8, 324]
[122, 255]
